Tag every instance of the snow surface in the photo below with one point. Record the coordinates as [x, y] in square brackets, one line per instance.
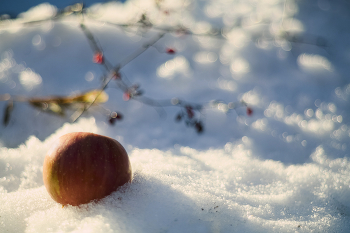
[284, 169]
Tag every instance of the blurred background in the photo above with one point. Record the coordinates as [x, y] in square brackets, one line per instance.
[287, 59]
[15, 7]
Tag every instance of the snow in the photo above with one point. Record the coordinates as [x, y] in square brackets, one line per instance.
[286, 168]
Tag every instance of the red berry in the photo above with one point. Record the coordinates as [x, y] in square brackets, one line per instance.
[115, 116]
[170, 51]
[98, 58]
[249, 111]
[190, 112]
[199, 127]
[119, 116]
[126, 96]
[112, 120]
[178, 118]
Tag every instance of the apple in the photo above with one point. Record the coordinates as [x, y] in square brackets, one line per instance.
[81, 167]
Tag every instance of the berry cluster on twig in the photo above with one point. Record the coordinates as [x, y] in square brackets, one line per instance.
[189, 113]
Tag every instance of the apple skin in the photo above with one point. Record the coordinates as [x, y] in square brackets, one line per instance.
[81, 167]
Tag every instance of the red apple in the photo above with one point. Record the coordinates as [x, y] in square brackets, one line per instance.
[81, 167]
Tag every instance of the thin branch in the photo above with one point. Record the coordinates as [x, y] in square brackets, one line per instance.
[116, 70]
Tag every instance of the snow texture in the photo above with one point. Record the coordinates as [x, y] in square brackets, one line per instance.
[286, 168]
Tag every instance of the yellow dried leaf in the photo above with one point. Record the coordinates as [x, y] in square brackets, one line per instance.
[88, 97]
[55, 108]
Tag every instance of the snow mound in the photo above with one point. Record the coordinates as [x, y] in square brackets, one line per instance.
[182, 190]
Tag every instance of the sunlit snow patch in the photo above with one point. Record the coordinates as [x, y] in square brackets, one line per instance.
[176, 66]
[314, 63]
[39, 12]
[29, 79]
